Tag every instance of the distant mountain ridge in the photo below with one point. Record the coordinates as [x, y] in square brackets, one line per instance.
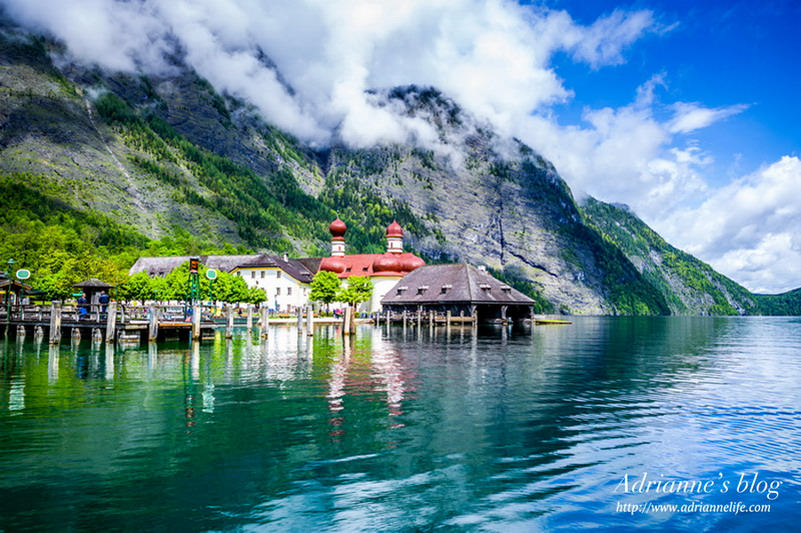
[130, 162]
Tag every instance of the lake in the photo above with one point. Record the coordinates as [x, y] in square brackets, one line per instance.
[609, 423]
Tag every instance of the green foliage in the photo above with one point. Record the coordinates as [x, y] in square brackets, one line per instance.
[626, 289]
[636, 239]
[175, 286]
[325, 287]
[359, 289]
[265, 208]
[516, 280]
[366, 213]
[785, 304]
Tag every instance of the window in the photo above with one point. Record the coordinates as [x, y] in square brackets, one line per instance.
[252, 274]
[262, 274]
[278, 291]
[277, 273]
[289, 291]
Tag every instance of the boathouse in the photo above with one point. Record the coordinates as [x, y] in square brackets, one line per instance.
[461, 289]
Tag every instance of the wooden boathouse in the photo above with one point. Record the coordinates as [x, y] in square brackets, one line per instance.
[457, 289]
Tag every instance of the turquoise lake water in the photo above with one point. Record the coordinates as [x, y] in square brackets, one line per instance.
[609, 423]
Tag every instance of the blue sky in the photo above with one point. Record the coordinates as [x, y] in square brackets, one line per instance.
[687, 111]
[718, 53]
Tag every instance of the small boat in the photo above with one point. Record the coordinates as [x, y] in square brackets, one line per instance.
[550, 322]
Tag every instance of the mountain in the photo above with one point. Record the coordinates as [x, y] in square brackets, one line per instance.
[98, 168]
[689, 285]
[784, 304]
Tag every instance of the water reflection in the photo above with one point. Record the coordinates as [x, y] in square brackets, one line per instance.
[496, 428]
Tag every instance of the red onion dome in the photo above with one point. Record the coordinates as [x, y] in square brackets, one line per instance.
[411, 262]
[338, 228]
[387, 263]
[394, 230]
[333, 264]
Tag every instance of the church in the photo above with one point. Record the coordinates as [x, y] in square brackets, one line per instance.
[383, 270]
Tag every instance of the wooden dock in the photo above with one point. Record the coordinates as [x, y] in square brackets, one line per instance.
[115, 323]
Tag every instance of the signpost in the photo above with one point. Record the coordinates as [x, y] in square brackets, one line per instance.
[193, 284]
[211, 274]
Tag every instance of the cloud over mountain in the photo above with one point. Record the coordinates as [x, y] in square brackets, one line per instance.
[309, 66]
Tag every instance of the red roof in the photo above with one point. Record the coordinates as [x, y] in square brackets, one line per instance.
[338, 229]
[394, 229]
[362, 264]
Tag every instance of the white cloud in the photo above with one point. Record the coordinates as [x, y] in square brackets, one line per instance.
[748, 229]
[622, 155]
[492, 56]
[692, 116]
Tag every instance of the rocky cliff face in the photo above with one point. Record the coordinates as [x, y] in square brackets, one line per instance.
[689, 286]
[147, 152]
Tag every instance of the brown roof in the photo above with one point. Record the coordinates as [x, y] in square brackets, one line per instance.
[453, 283]
[161, 266]
[93, 283]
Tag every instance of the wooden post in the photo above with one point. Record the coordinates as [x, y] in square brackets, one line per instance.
[20, 331]
[504, 320]
[197, 313]
[154, 323]
[346, 321]
[250, 319]
[300, 320]
[448, 319]
[431, 320]
[309, 320]
[404, 319]
[97, 335]
[55, 323]
[76, 334]
[111, 321]
[419, 316]
[229, 326]
[265, 321]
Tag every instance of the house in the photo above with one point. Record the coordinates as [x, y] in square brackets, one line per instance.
[285, 281]
[458, 288]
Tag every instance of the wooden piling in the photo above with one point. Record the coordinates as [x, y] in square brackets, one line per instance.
[419, 317]
[229, 323]
[265, 321]
[197, 313]
[153, 329]
[250, 319]
[97, 335]
[309, 320]
[55, 323]
[346, 321]
[20, 331]
[300, 320]
[111, 321]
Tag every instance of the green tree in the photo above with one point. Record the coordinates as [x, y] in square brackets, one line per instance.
[136, 287]
[325, 287]
[359, 290]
